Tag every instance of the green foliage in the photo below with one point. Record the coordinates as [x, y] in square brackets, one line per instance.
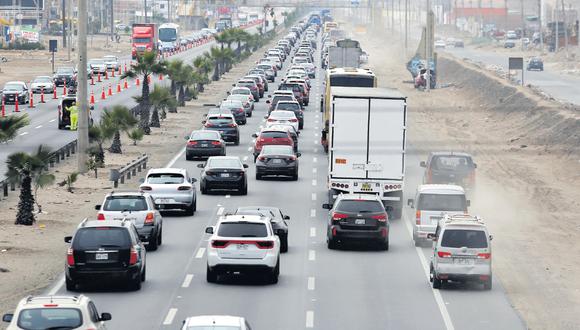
[10, 125]
[120, 119]
[135, 135]
[24, 45]
[69, 181]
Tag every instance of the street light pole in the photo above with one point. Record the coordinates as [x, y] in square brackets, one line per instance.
[82, 97]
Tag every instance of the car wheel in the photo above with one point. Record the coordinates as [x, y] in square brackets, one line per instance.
[188, 157]
[237, 142]
[249, 114]
[275, 273]
[332, 244]
[295, 177]
[417, 242]
[70, 284]
[160, 237]
[244, 190]
[195, 205]
[144, 274]
[284, 243]
[301, 126]
[190, 210]
[258, 176]
[436, 282]
[385, 245]
[211, 275]
[153, 242]
[487, 284]
[135, 284]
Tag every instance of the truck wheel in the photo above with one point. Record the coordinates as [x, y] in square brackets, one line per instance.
[397, 212]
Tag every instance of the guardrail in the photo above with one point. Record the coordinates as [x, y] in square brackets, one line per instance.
[128, 170]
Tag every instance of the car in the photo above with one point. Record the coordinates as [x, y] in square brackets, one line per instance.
[56, 312]
[310, 69]
[448, 167]
[268, 70]
[223, 173]
[42, 84]
[251, 85]
[140, 209]
[509, 43]
[277, 160]
[262, 74]
[242, 91]
[101, 250]
[461, 251]
[357, 217]
[277, 219]
[63, 76]
[15, 90]
[98, 65]
[431, 203]
[535, 63]
[271, 136]
[278, 117]
[297, 89]
[224, 322]
[247, 102]
[458, 43]
[204, 143]
[291, 130]
[276, 60]
[237, 109]
[259, 82]
[293, 106]
[278, 98]
[171, 188]
[225, 124]
[440, 44]
[112, 62]
[450, 41]
[245, 244]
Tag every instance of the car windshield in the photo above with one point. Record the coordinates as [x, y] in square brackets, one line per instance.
[43, 80]
[451, 163]
[246, 84]
[96, 237]
[204, 135]
[13, 87]
[165, 178]
[359, 206]
[273, 135]
[141, 40]
[224, 163]
[289, 87]
[277, 150]
[231, 104]
[242, 229]
[442, 202]
[125, 203]
[65, 71]
[287, 106]
[49, 318]
[458, 238]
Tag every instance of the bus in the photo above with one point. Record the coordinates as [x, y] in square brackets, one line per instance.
[342, 77]
[169, 37]
[330, 26]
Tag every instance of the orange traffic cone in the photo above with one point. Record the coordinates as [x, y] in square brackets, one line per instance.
[106, 75]
[137, 83]
[120, 72]
[54, 97]
[92, 101]
[110, 93]
[99, 77]
[161, 76]
[42, 95]
[3, 107]
[125, 68]
[16, 104]
[31, 100]
[113, 72]
[92, 80]
[119, 87]
[103, 94]
[125, 85]
[64, 90]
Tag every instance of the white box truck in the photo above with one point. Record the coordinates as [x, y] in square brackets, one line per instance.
[367, 136]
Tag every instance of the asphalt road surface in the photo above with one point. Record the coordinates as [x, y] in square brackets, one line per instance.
[356, 288]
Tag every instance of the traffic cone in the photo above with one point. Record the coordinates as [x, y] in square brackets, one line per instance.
[92, 101]
[161, 76]
[119, 87]
[103, 94]
[113, 72]
[92, 80]
[125, 69]
[125, 85]
[31, 100]
[99, 77]
[3, 107]
[137, 82]
[110, 93]
[42, 95]
[54, 97]
[64, 90]
[16, 104]
[120, 72]
[106, 75]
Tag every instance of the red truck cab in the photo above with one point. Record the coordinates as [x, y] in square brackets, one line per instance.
[144, 39]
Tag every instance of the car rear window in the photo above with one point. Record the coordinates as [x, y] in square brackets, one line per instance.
[204, 136]
[359, 206]
[96, 237]
[286, 87]
[220, 120]
[242, 229]
[288, 106]
[224, 163]
[451, 163]
[125, 203]
[442, 202]
[241, 91]
[50, 318]
[277, 150]
[458, 238]
[165, 178]
[274, 135]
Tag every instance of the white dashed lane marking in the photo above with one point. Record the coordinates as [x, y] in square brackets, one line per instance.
[311, 283]
[187, 281]
[220, 211]
[312, 213]
[170, 316]
[39, 126]
[314, 183]
[312, 231]
[23, 133]
[310, 319]
[311, 255]
[200, 253]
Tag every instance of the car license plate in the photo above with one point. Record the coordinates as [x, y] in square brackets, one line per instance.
[359, 222]
[463, 261]
[225, 175]
[366, 187]
[277, 161]
[204, 145]
[242, 246]
[102, 256]
[164, 201]
[436, 219]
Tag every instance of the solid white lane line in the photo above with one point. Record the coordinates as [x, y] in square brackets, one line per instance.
[314, 159]
[314, 182]
[312, 213]
[220, 211]
[200, 253]
[39, 126]
[23, 133]
[52, 120]
[313, 196]
[311, 255]
[310, 319]
[170, 316]
[174, 159]
[314, 170]
[311, 283]
[187, 281]
[436, 293]
[312, 231]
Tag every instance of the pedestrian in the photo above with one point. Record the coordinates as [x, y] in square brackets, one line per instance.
[74, 116]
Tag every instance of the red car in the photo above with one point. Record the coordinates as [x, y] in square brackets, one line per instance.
[269, 136]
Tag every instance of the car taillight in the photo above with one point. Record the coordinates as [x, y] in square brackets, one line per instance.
[380, 217]
[265, 244]
[216, 143]
[100, 216]
[70, 258]
[191, 143]
[484, 256]
[146, 188]
[134, 256]
[232, 125]
[418, 217]
[209, 173]
[50, 305]
[261, 158]
[293, 120]
[442, 254]
[209, 125]
[271, 120]
[182, 188]
[338, 216]
[150, 218]
[219, 244]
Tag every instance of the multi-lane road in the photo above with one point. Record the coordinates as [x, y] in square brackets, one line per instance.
[357, 288]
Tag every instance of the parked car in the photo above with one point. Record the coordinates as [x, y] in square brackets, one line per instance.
[171, 188]
[204, 143]
[224, 173]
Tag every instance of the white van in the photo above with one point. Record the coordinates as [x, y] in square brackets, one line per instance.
[431, 203]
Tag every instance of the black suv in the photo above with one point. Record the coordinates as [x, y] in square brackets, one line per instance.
[357, 217]
[105, 249]
[64, 76]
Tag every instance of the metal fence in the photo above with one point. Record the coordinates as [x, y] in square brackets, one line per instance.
[128, 171]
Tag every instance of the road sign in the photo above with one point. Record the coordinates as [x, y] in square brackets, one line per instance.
[516, 63]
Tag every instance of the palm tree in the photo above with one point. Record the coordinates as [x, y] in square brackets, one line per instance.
[99, 134]
[173, 70]
[239, 36]
[223, 59]
[222, 39]
[229, 58]
[161, 100]
[203, 66]
[10, 125]
[185, 79]
[22, 169]
[147, 64]
[120, 119]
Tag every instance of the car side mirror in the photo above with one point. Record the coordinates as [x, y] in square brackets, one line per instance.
[268, 102]
[286, 217]
[193, 180]
[254, 135]
[201, 165]
[432, 236]
[7, 318]
[204, 121]
[186, 137]
[269, 96]
[411, 202]
[245, 165]
[156, 206]
[423, 164]
[142, 180]
[98, 207]
[474, 165]
[68, 239]
[298, 154]
[209, 230]
[326, 206]
[490, 237]
[233, 85]
[279, 232]
[265, 117]
[105, 317]
[468, 203]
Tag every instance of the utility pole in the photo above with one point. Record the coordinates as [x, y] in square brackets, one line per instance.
[540, 25]
[145, 11]
[112, 20]
[406, 26]
[565, 28]
[428, 48]
[70, 28]
[523, 22]
[63, 23]
[82, 97]
[557, 39]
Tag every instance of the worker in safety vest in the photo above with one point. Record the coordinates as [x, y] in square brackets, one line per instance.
[74, 116]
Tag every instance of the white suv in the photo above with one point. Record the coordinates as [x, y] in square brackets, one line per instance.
[171, 188]
[243, 243]
[461, 251]
[56, 312]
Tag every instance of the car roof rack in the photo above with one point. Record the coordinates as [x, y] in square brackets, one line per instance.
[450, 218]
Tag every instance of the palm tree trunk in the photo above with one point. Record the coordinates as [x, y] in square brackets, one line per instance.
[181, 96]
[173, 88]
[100, 157]
[216, 72]
[155, 118]
[116, 144]
[25, 215]
[144, 111]
[239, 50]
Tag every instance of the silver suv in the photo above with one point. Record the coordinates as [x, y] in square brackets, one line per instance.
[461, 251]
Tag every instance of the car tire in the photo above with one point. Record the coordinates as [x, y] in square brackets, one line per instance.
[385, 245]
[190, 210]
[188, 157]
[397, 212]
[301, 126]
[135, 284]
[244, 190]
[160, 237]
[144, 274]
[258, 176]
[211, 275]
[70, 284]
[153, 243]
[295, 177]
[487, 284]
[237, 142]
[284, 243]
[332, 244]
[203, 189]
[417, 243]
[274, 273]
[436, 282]
[249, 114]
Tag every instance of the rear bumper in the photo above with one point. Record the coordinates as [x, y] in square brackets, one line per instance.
[237, 183]
[381, 234]
[178, 201]
[198, 152]
[279, 170]
[95, 274]
[240, 265]
[146, 233]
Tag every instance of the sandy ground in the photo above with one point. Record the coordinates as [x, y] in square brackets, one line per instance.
[33, 257]
[24, 65]
[527, 182]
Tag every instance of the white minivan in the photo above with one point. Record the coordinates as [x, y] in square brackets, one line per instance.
[431, 203]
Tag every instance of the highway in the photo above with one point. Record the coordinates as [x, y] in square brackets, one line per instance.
[560, 86]
[356, 288]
